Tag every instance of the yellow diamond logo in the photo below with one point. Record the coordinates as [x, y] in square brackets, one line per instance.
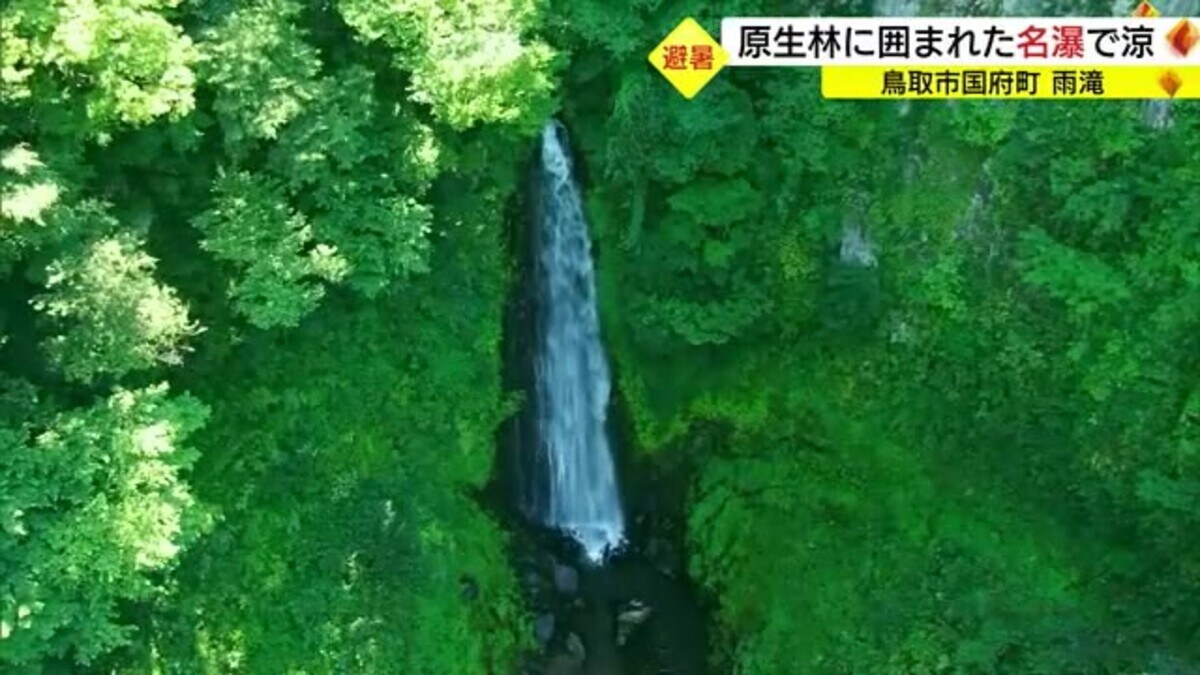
[689, 58]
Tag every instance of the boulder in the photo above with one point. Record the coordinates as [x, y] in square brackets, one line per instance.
[566, 579]
[532, 580]
[632, 615]
[543, 628]
[575, 647]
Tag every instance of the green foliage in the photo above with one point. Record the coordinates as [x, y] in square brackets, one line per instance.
[28, 193]
[263, 70]
[165, 164]
[279, 267]
[362, 170]
[122, 59]
[880, 571]
[1083, 282]
[344, 464]
[968, 457]
[348, 166]
[850, 303]
[469, 60]
[982, 123]
[111, 316]
[92, 501]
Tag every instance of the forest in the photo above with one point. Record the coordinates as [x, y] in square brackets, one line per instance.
[928, 372]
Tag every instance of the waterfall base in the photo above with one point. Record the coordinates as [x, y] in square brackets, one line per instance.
[626, 617]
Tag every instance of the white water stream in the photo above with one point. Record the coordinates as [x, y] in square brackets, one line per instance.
[571, 371]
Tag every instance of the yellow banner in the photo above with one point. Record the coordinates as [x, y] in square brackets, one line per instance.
[1111, 82]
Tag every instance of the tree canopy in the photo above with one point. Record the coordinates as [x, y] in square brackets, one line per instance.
[199, 198]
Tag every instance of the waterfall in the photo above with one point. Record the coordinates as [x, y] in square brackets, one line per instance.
[571, 373]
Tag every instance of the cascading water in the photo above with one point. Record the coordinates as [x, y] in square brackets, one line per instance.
[579, 493]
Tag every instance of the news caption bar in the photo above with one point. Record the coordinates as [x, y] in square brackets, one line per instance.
[1144, 56]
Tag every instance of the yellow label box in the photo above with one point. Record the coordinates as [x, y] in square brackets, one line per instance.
[1015, 82]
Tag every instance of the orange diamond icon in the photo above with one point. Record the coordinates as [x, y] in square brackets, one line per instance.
[1183, 36]
[1170, 82]
[1145, 10]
